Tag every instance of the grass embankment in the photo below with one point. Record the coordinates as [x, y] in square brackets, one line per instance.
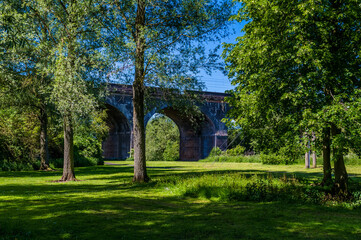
[183, 201]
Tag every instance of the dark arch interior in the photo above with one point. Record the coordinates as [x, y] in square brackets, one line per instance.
[196, 142]
[117, 145]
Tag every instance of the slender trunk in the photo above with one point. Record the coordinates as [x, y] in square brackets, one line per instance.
[314, 159]
[68, 169]
[341, 177]
[314, 156]
[326, 154]
[44, 150]
[307, 156]
[140, 170]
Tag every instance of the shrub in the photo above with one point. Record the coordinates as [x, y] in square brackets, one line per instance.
[79, 161]
[236, 151]
[171, 152]
[56, 163]
[292, 152]
[216, 151]
[36, 165]
[131, 155]
[7, 165]
[239, 187]
[274, 159]
[225, 158]
[352, 159]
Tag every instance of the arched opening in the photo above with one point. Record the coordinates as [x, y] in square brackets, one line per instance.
[196, 139]
[162, 139]
[117, 145]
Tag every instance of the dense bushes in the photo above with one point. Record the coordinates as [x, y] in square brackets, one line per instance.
[352, 159]
[260, 188]
[6, 165]
[79, 161]
[18, 136]
[236, 151]
[87, 152]
[274, 159]
[236, 155]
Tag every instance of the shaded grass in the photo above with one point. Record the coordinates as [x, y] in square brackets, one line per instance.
[106, 205]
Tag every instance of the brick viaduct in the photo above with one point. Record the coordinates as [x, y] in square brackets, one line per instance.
[194, 144]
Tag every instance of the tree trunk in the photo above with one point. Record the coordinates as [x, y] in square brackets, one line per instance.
[326, 155]
[307, 156]
[44, 150]
[140, 170]
[68, 169]
[314, 156]
[314, 159]
[341, 177]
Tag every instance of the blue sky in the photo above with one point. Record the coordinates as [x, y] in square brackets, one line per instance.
[218, 82]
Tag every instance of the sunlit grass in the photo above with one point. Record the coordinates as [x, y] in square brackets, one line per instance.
[105, 204]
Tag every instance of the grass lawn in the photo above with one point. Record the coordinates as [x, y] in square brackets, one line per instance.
[106, 205]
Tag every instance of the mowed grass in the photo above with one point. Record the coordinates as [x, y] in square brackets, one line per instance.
[105, 204]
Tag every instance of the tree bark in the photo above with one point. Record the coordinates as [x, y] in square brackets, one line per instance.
[326, 155]
[341, 177]
[140, 170]
[68, 168]
[44, 150]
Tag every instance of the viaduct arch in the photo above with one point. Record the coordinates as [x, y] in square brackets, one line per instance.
[195, 143]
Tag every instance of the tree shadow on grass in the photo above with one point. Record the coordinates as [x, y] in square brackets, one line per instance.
[117, 217]
[112, 209]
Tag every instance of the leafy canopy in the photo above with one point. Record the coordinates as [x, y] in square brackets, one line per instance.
[297, 69]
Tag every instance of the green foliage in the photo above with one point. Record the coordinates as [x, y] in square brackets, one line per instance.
[46, 61]
[18, 135]
[233, 186]
[293, 152]
[131, 155]
[274, 159]
[171, 152]
[236, 155]
[162, 139]
[352, 159]
[216, 151]
[236, 151]
[296, 71]
[235, 159]
[89, 136]
[79, 161]
[6, 165]
[237, 136]
[174, 35]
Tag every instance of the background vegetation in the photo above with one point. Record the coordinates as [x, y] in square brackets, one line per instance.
[20, 146]
[162, 139]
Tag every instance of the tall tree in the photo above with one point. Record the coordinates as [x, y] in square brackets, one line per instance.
[25, 49]
[76, 64]
[297, 68]
[161, 43]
